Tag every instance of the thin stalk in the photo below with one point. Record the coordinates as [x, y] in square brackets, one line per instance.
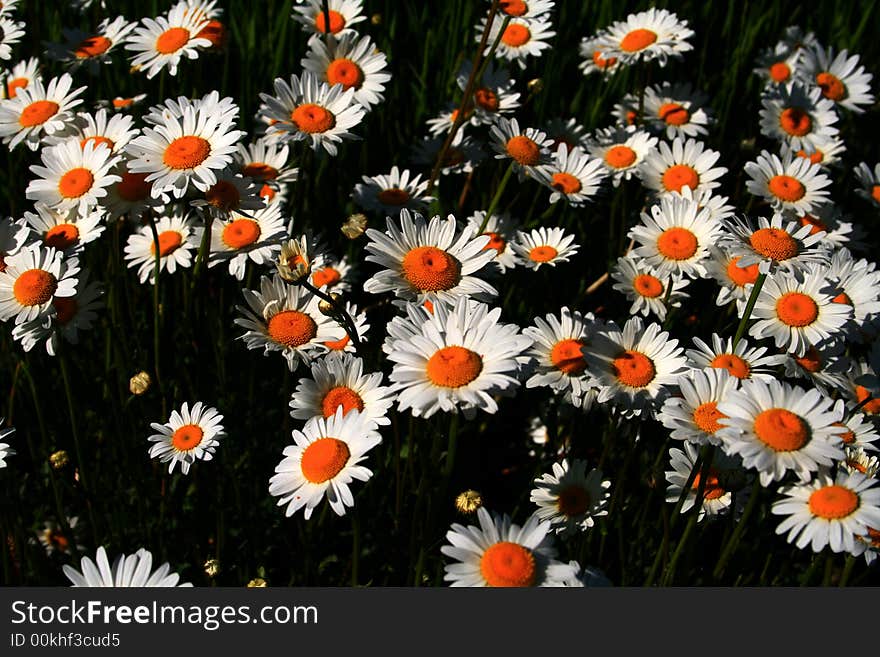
[204, 251]
[847, 570]
[731, 544]
[327, 34]
[497, 198]
[750, 305]
[338, 309]
[158, 264]
[450, 452]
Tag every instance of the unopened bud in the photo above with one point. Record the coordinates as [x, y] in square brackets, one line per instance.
[59, 459]
[354, 226]
[535, 86]
[212, 567]
[257, 583]
[139, 383]
[328, 308]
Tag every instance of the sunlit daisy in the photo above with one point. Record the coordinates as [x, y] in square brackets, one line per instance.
[592, 61]
[792, 184]
[323, 461]
[798, 115]
[389, 194]
[861, 433]
[526, 149]
[11, 33]
[494, 93]
[775, 242]
[5, 450]
[32, 278]
[778, 428]
[224, 109]
[653, 34]
[73, 177]
[343, 14]
[54, 539]
[870, 182]
[256, 238]
[501, 229]
[133, 570]
[543, 246]
[572, 175]
[622, 150]
[694, 416]
[571, 498]
[114, 132]
[723, 479]
[829, 511]
[37, 110]
[189, 435]
[841, 78]
[735, 282]
[268, 165]
[21, 75]
[333, 275]
[676, 110]
[179, 238]
[361, 325]
[858, 285]
[824, 152]
[92, 49]
[160, 43]
[67, 232]
[646, 287]
[687, 163]
[743, 362]
[353, 62]
[500, 553]
[521, 39]
[824, 364]
[122, 103]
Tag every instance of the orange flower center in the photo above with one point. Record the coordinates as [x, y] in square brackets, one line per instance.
[781, 430]
[267, 192]
[260, 171]
[337, 22]
[324, 459]
[603, 62]
[97, 140]
[817, 225]
[810, 361]
[241, 233]
[566, 183]
[712, 489]
[37, 113]
[187, 437]
[486, 99]
[706, 417]
[327, 276]
[92, 47]
[508, 564]
[633, 369]
[513, 7]
[341, 396]
[454, 367]
[573, 501]
[780, 72]
[796, 309]
[393, 196]
[65, 309]
[313, 118]
[133, 187]
[430, 269]
[186, 152]
[677, 243]
[121, 103]
[786, 188]
[815, 157]
[832, 87]
[169, 241]
[34, 287]
[674, 114]
[795, 121]
[14, 85]
[516, 35]
[843, 297]
[172, 40]
[872, 407]
[495, 242]
[648, 286]
[292, 328]
[620, 156]
[875, 193]
[337, 345]
[62, 236]
[524, 150]
[75, 182]
[741, 276]
[774, 243]
[215, 32]
[58, 541]
[637, 40]
[223, 195]
[833, 502]
[733, 364]
[543, 253]
[680, 175]
[345, 72]
[567, 357]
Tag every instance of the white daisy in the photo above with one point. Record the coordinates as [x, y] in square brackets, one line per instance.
[13, 236]
[133, 570]
[256, 238]
[223, 109]
[179, 238]
[858, 285]
[824, 152]
[5, 450]
[646, 287]
[687, 163]
[622, 150]
[390, 193]
[67, 232]
[735, 282]
[792, 184]
[572, 175]
[590, 49]
[343, 14]
[743, 362]
[780, 63]
[122, 103]
[694, 416]
[527, 148]
[676, 110]
[858, 460]
[522, 38]
[494, 93]
[161, 42]
[542, 246]
[351, 61]
[501, 229]
[33, 277]
[115, 133]
[870, 182]
[132, 196]
[92, 49]
[37, 110]
[334, 275]
[861, 433]
[361, 325]
[798, 115]
[21, 75]
[841, 78]
[825, 365]
[73, 177]
[11, 33]
[231, 195]
[653, 34]
[189, 435]
[54, 539]
[571, 498]
[775, 242]
[527, 10]
[723, 479]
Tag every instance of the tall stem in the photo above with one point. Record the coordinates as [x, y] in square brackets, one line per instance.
[339, 309]
[732, 543]
[497, 198]
[750, 305]
[158, 264]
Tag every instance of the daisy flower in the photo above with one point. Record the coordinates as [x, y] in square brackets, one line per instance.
[115, 133]
[38, 110]
[824, 152]
[694, 416]
[825, 365]
[439, 126]
[735, 282]
[494, 93]
[256, 238]
[232, 194]
[522, 38]
[338, 381]
[526, 149]
[798, 116]
[122, 103]
[653, 34]
[646, 288]
[286, 318]
[501, 229]
[187, 150]
[797, 310]
[858, 284]
[526, 10]
[857, 460]
[860, 432]
[635, 367]
[829, 511]
[428, 260]
[622, 151]
[870, 182]
[503, 554]
[92, 49]
[21, 75]
[10, 33]
[33, 277]
[572, 175]
[687, 163]
[353, 62]
[323, 461]
[53, 538]
[742, 362]
[132, 196]
[5, 450]
[189, 435]
[133, 570]
[361, 325]
[777, 428]
[333, 275]
[566, 131]
[841, 78]
[781, 63]
[828, 219]
[343, 14]
[223, 109]
[179, 238]
[792, 184]
[311, 110]
[161, 42]
[722, 480]
[590, 49]
[543, 246]
[676, 110]
[268, 165]
[67, 232]
[73, 177]
[571, 498]
[461, 358]
[774, 242]
[389, 194]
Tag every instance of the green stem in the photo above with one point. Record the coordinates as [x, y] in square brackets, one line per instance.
[688, 530]
[204, 251]
[750, 305]
[731, 545]
[450, 452]
[847, 570]
[339, 309]
[156, 323]
[497, 198]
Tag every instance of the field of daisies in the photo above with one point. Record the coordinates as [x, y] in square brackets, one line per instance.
[471, 293]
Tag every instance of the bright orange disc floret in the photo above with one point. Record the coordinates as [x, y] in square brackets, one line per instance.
[324, 459]
[781, 430]
[833, 502]
[313, 118]
[37, 113]
[786, 188]
[796, 309]
[679, 176]
[240, 233]
[567, 357]
[187, 437]
[634, 369]
[34, 287]
[507, 564]
[172, 40]
[292, 328]
[774, 243]
[454, 367]
[430, 269]
[62, 236]
[677, 243]
[342, 396]
[637, 40]
[186, 152]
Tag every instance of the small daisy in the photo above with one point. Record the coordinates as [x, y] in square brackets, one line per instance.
[571, 498]
[775, 242]
[646, 288]
[338, 381]
[5, 450]
[868, 544]
[286, 318]
[494, 93]
[781, 63]
[635, 367]
[777, 428]
[440, 125]
[723, 479]
[590, 49]
[790, 184]
[501, 229]
[428, 260]
[742, 362]
[572, 175]
[542, 246]
[500, 553]
[870, 182]
[390, 193]
[735, 282]
[231, 195]
[841, 78]
[73, 177]
[37, 110]
[829, 511]
[694, 416]
[361, 325]
[861, 433]
[622, 150]
[828, 219]
[462, 359]
[526, 10]
[54, 540]
[798, 116]
[676, 110]
[688, 163]
[92, 49]
[8, 7]
[825, 365]
[353, 62]
[224, 110]
[115, 133]
[188, 436]
[33, 277]
[256, 238]
[67, 232]
[653, 34]
[161, 42]
[133, 570]
[857, 460]
[824, 152]
[21, 75]
[333, 275]
[268, 165]
[797, 310]
[10, 33]
[858, 284]
[527, 149]
[343, 14]
[179, 238]
[566, 131]
[122, 103]
[132, 196]
[522, 38]
[323, 461]
[311, 110]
